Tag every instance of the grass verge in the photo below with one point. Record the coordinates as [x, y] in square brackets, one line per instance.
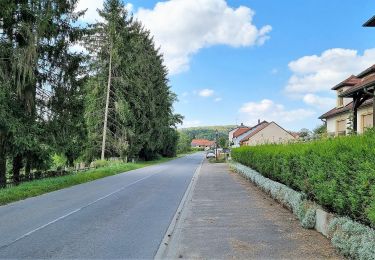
[39, 187]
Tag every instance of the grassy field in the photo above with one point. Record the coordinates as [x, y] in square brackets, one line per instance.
[38, 187]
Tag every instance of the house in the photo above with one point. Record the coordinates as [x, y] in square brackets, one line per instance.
[267, 133]
[242, 132]
[231, 132]
[354, 106]
[202, 143]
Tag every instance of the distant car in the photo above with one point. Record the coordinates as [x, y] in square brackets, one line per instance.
[210, 155]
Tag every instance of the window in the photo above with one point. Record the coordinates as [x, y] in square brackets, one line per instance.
[340, 100]
[341, 127]
[367, 121]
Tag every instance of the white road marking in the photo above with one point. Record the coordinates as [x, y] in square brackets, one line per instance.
[75, 211]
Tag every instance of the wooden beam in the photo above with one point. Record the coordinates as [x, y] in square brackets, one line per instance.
[355, 108]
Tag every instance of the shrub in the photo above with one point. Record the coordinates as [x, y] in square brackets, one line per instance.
[353, 239]
[100, 163]
[337, 173]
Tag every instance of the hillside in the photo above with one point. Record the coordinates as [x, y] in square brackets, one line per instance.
[207, 132]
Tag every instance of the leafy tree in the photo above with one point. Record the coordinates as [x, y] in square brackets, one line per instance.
[304, 133]
[184, 142]
[223, 142]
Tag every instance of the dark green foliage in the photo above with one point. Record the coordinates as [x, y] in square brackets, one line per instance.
[52, 99]
[184, 143]
[35, 58]
[338, 173]
[141, 120]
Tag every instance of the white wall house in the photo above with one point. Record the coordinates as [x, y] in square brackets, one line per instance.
[232, 136]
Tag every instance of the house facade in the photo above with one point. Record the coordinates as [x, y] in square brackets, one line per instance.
[354, 105]
[231, 133]
[267, 133]
[202, 143]
[241, 132]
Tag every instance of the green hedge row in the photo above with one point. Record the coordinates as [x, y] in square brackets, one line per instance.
[338, 173]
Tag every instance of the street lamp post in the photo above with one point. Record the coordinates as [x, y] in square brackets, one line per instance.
[216, 135]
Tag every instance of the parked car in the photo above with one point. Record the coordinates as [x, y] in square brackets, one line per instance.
[210, 154]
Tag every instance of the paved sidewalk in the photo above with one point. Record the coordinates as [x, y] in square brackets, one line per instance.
[228, 217]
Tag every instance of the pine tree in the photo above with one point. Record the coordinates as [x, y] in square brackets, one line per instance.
[37, 35]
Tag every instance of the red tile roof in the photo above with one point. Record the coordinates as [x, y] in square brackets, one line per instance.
[351, 81]
[340, 110]
[240, 131]
[366, 82]
[255, 129]
[202, 142]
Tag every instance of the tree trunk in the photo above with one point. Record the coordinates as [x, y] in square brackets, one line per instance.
[17, 166]
[3, 161]
[28, 168]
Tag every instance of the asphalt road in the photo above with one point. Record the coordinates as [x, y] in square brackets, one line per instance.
[122, 216]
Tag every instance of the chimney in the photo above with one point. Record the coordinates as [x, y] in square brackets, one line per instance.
[258, 121]
[241, 124]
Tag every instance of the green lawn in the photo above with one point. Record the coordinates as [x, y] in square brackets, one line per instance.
[38, 187]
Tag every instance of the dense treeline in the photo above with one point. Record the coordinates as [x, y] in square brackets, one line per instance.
[337, 173]
[53, 100]
[208, 132]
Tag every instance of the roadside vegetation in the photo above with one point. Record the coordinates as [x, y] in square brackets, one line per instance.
[38, 187]
[337, 173]
[110, 100]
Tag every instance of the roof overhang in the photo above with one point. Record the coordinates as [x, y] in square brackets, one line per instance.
[361, 90]
[370, 22]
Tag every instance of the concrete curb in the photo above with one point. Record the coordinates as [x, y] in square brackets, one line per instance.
[351, 238]
[163, 247]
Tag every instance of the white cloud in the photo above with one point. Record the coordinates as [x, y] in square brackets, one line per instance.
[206, 92]
[312, 74]
[323, 103]
[271, 111]
[181, 28]
[218, 99]
[91, 15]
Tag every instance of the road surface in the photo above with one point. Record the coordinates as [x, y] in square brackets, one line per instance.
[122, 216]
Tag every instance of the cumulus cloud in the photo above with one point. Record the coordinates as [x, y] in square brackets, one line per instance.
[206, 92]
[91, 15]
[271, 111]
[181, 28]
[320, 102]
[319, 73]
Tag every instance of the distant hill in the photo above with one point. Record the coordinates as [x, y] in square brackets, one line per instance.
[207, 132]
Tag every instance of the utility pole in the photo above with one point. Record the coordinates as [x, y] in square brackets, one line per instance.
[216, 134]
[107, 103]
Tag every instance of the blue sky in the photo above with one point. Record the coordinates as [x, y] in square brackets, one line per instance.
[228, 66]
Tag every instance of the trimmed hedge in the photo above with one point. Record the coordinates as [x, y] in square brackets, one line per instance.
[338, 173]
